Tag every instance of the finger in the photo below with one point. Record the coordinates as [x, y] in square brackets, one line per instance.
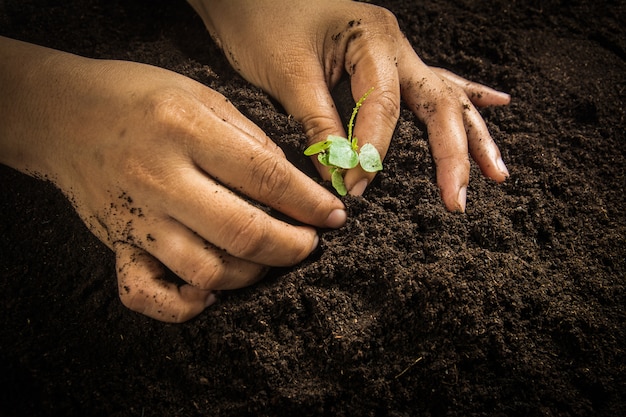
[372, 63]
[482, 147]
[193, 259]
[448, 144]
[142, 289]
[480, 95]
[246, 165]
[436, 104]
[230, 223]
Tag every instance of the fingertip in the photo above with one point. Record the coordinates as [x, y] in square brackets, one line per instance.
[210, 299]
[303, 244]
[359, 188]
[461, 199]
[455, 202]
[501, 98]
[316, 242]
[336, 218]
[494, 168]
[357, 180]
[504, 171]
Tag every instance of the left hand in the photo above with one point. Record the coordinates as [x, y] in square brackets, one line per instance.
[297, 50]
[141, 154]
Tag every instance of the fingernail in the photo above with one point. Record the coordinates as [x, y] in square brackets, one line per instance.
[502, 167]
[461, 198]
[211, 299]
[336, 218]
[316, 242]
[358, 188]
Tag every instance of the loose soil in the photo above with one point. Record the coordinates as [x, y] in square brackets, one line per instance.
[515, 308]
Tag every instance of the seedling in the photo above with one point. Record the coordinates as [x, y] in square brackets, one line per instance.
[340, 154]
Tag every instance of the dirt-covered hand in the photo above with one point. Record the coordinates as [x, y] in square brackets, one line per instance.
[156, 165]
[297, 50]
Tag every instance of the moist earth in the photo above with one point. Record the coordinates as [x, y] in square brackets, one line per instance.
[515, 308]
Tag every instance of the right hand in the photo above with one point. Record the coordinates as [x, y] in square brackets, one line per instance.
[155, 164]
[303, 47]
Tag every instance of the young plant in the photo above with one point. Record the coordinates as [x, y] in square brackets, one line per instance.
[340, 154]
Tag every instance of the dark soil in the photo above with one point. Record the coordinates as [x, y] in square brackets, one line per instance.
[516, 308]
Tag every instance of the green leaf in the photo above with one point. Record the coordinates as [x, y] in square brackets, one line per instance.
[370, 158]
[341, 154]
[336, 177]
[316, 148]
[323, 158]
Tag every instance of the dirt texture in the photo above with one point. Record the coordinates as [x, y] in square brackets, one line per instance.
[515, 308]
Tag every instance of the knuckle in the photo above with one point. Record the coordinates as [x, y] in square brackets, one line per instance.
[389, 103]
[453, 161]
[169, 107]
[317, 127]
[207, 275]
[441, 105]
[271, 176]
[386, 18]
[379, 18]
[454, 96]
[135, 299]
[248, 236]
[230, 274]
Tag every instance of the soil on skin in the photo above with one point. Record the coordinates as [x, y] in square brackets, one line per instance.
[515, 308]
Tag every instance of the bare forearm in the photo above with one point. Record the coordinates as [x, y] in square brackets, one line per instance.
[24, 118]
[32, 104]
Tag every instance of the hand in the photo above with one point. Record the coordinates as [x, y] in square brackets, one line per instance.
[149, 158]
[298, 50]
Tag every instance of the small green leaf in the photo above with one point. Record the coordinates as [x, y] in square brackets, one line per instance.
[370, 158]
[341, 154]
[317, 148]
[323, 158]
[336, 178]
[334, 140]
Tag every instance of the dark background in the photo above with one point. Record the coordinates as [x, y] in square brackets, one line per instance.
[516, 308]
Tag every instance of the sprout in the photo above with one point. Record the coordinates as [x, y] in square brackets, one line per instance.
[340, 154]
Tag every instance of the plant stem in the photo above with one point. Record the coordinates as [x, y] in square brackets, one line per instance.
[355, 110]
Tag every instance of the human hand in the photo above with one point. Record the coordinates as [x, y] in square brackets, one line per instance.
[298, 50]
[149, 158]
